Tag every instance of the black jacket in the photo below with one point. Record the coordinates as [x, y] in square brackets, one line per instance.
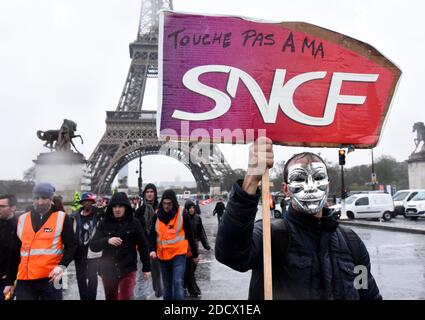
[8, 253]
[317, 263]
[116, 262]
[198, 231]
[219, 208]
[96, 214]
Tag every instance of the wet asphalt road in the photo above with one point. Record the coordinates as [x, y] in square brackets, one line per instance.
[398, 265]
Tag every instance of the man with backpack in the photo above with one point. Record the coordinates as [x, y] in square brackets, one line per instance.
[312, 257]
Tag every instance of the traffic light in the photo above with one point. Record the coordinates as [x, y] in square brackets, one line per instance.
[341, 154]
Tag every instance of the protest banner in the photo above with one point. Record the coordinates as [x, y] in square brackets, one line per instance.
[226, 79]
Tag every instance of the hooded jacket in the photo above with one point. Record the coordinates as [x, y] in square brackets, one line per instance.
[116, 262]
[167, 217]
[317, 263]
[197, 227]
[146, 211]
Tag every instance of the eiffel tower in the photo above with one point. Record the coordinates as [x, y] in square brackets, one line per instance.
[131, 131]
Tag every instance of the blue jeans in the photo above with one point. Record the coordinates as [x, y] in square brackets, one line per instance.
[172, 272]
[40, 289]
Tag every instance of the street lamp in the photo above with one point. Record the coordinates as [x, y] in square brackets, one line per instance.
[140, 179]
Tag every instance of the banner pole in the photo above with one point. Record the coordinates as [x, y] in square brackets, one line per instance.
[267, 258]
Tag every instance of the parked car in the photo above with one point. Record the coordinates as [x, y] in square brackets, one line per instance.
[416, 207]
[368, 205]
[402, 197]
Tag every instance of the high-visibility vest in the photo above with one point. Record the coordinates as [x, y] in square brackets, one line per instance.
[170, 240]
[271, 202]
[41, 251]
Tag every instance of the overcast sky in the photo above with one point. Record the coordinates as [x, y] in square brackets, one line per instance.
[69, 59]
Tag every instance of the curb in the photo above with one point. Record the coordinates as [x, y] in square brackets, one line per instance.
[383, 227]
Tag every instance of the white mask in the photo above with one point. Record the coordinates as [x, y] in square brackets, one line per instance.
[308, 185]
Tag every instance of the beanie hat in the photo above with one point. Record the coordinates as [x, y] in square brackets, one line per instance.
[43, 189]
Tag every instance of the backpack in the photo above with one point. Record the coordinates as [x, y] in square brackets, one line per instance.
[281, 247]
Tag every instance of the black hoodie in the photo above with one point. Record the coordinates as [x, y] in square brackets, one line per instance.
[166, 217]
[196, 224]
[116, 262]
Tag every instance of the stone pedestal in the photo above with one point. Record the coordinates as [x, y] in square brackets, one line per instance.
[66, 171]
[416, 166]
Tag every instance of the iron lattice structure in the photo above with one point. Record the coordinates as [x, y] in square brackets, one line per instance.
[131, 131]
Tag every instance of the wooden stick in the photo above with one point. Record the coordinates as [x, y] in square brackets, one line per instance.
[267, 256]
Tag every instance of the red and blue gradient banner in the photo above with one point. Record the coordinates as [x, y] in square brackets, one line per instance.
[225, 77]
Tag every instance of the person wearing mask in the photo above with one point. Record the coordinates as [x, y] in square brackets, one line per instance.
[85, 221]
[46, 243]
[8, 223]
[170, 236]
[199, 235]
[119, 236]
[312, 256]
[145, 213]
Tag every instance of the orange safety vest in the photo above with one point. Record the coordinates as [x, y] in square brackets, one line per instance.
[271, 202]
[41, 251]
[170, 240]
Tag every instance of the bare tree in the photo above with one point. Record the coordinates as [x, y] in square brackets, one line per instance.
[29, 174]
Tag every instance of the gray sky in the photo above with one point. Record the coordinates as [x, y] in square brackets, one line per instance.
[69, 59]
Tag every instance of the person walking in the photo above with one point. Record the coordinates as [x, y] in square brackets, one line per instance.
[8, 223]
[46, 243]
[312, 256]
[145, 213]
[219, 209]
[170, 236]
[119, 236]
[199, 235]
[85, 221]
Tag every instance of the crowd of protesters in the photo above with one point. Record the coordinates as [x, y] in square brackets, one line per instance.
[104, 237]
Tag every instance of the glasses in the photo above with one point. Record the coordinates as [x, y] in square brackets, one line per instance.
[167, 203]
[43, 198]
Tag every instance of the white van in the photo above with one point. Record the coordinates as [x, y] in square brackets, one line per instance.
[402, 197]
[370, 205]
[416, 207]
